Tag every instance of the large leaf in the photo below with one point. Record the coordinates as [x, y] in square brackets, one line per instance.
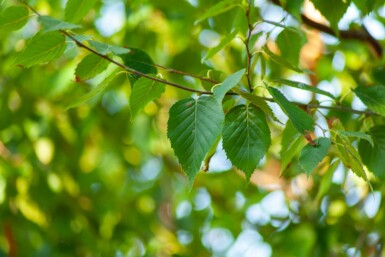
[227, 39]
[300, 119]
[219, 8]
[280, 60]
[90, 66]
[231, 81]
[246, 137]
[51, 24]
[193, 127]
[311, 155]
[76, 9]
[373, 156]
[42, 48]
[373, 97]
[107, 48]
[13, 18]
[144, 91]
[304, 86]
[291, 144]
[290, 44]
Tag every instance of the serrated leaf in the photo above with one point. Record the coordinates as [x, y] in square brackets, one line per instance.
[349, 155]
[246, 137]
[259, 102]
[226, 40]
[219, 8]
[13, 18]
[42, 48]
[311, 155]
[107, 48]
[304, 86]
[281, 61]
[76, 9]
[356, 134]
[94, 92]
[51, 24]
[90, 66]
[138, 60]
[300, 119]
[290, 44]
[144, 91]
[333, 13]
[231, 81]
[193, 127]
[373, 97]
[373, 156]
[291, 144]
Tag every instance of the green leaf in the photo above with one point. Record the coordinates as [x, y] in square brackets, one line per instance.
[219, 8]
[311, 155]
[300, 119]
[373, 155]
[246, 137]
[291, 144]
[193, 127]
[333, 12]
[281, 61]
[348, 154]
[106, 48]
[259, 102]
[42, 48]
[304, 87]
[373, 97]
[356, 134]
[138, 60]
[144, 91]
[51, 24]
[13, 18]
[290, 44]
[226, 40]
[231, 81]
[76, 9]
[90, 66]
[94, 92]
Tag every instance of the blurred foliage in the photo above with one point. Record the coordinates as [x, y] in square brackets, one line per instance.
[90, 181]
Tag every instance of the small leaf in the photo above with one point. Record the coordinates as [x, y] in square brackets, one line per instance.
[42, 48]
[290, 44]
[312, 155]
[51, 24]
[373, 97]
[304, 87]
[226, 40]
[231, 81]
[94, 92]
[332, 13]
[76, 9]
[13, 18]
[193, 127]
[246, 137]
[90, 66]
[219, 8]
[106, 48]
[373, 155]
[356, 134]
[281, 61]
[300, 119]
[291, 144]
[144, 91]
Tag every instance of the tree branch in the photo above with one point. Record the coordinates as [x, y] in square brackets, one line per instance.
[248, 52]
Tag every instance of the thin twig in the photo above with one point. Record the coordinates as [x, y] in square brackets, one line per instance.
[247, 45]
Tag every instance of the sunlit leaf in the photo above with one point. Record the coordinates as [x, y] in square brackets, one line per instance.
[226, 40]
[219, 8]
[304, 86]
[281, 61]
[90, 66]
[311, 155]
[373, 97]
[13, 18]
[51, 24]
[75, 10]
[291, 144]
[332, 13]
[193, 127]
[246, 137]
[231, 81]
[356, 134]
[107, 48]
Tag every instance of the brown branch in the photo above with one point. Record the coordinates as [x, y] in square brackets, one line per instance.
[247, 42]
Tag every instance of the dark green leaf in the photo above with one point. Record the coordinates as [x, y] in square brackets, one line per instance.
[291, 144]
[76, 9]
[246, 137]
[304, 87]
[42, 48]
[13, 18]
[193, 127]
[90, 66]
[300, 119]
[311, 155]
[373, 156]
[231, 81]
[145, 91]
[106, 48]
[373, 97]
[51, 24]
[226, 40]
